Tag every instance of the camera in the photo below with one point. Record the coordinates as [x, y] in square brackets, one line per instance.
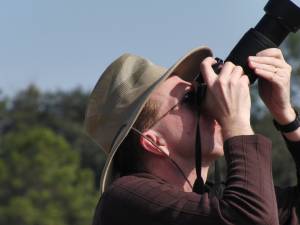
[281, 18]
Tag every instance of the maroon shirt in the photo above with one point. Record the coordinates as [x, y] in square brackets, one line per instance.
[248, 198]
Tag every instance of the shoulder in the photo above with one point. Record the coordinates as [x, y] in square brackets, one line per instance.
[133, 198]
[145, 190]
[138, 185]
[146, 199]
[123, 201]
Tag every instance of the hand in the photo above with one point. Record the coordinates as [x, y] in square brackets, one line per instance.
[274, 83]
[227, 97]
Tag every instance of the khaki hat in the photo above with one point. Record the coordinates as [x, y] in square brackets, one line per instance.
[120, 95]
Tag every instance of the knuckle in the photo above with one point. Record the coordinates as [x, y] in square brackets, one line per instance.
[239, 69]
[206, 60]
[279, 53]
[229, 64]
[289, 67]
[277, 50]
[245, 80]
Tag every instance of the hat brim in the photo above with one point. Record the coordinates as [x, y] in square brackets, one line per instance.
[187, 67]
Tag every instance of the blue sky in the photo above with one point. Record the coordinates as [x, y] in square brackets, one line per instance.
[62, 44]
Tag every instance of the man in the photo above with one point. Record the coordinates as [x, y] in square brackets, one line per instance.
[145, 118]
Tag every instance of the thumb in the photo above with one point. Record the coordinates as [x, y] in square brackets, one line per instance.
[208, 74]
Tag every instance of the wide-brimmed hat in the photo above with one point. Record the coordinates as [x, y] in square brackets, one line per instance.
[120, 95]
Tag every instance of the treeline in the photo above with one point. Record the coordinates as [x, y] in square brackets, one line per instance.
[49, 168]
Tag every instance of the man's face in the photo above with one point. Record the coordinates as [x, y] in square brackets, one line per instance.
[178, 126]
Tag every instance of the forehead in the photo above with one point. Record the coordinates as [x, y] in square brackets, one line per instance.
[172, 87]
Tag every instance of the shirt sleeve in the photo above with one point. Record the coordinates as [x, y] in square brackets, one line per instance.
[248, 197]
[288, 199]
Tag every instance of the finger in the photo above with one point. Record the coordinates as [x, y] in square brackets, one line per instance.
[209, 75]
[245, 79]
[255, 65]
[271, 52]
[267, 75]
[269, 61]
[226, 71]
[236, 74]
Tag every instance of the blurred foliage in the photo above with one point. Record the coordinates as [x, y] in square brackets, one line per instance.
[50, 169]
[62, 112]
[41, 180]
[292, 51]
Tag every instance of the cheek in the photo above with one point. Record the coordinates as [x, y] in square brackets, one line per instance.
[171, 128]
[186, 144]
[189, 127]
[207, 132]
[181, 124]
[179, 131]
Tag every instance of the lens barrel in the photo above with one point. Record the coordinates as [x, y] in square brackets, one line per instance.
[281, 18]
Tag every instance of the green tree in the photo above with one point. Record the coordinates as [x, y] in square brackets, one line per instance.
[61, 111]
[41, 182]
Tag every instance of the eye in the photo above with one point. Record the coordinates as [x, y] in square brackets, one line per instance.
[188, 98]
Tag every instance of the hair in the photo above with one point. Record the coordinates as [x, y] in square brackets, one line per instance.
[129, 157]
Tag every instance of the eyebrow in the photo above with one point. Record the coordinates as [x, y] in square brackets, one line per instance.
[163, 115]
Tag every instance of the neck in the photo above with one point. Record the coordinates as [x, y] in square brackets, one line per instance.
[166, 170]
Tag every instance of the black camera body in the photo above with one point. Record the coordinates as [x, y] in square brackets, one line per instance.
[281, 18]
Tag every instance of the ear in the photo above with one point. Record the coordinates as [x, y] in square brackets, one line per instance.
[152, 142]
